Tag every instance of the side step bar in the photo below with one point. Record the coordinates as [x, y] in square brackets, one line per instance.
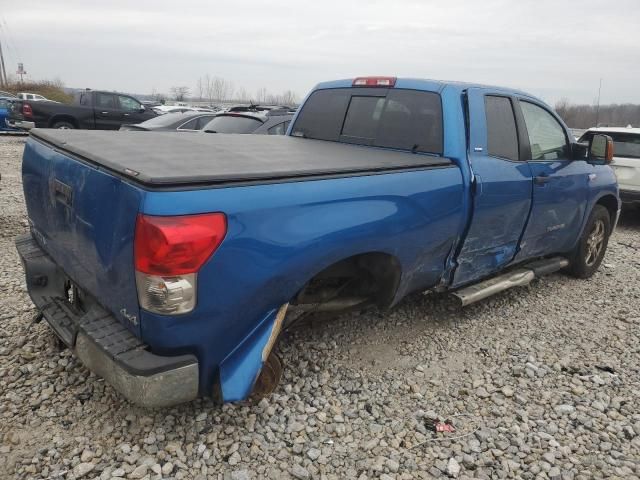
[516, 278]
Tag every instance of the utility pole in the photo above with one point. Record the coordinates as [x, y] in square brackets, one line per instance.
[598, 107]
[3, 70]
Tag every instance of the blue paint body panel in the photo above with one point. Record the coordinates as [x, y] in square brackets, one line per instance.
[445, 226]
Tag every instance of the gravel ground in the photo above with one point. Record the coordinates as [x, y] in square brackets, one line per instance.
[539, 382]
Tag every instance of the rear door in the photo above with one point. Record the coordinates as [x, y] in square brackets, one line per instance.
[501, 189]
[560, 185]
[107, 111]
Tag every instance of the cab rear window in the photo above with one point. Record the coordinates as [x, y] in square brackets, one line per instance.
[392, 118]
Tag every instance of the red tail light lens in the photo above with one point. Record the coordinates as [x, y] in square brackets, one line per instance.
[374, 82]
[177, 245]
[27, 111]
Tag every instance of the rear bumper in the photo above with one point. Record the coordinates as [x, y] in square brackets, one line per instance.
[101, 342]
[21, 124]
[630, 196]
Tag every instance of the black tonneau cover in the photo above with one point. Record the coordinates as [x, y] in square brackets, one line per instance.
[179, 158]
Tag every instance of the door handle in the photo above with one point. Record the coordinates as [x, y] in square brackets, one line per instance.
[104, 113]
[125, 114]
[541, 179]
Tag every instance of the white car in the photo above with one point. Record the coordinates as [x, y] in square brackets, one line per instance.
[626, 159]
[34, 97]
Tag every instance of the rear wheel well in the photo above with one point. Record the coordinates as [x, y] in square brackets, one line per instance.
[611, 204]
[63, 118]
[364, 279]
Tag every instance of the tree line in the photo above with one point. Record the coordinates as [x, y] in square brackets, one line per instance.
[587, 116]
[213, 89]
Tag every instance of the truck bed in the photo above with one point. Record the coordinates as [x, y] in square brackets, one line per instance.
[169, 159]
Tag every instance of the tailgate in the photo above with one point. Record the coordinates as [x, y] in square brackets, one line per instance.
[84, 218]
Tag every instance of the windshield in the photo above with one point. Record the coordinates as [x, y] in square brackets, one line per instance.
[624, 144]
[232, 124]
[4, 104]
[393, 118]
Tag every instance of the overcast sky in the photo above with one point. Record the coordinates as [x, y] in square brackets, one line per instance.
[551, 48]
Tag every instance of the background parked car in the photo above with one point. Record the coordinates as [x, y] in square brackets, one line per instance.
[181, 121]
[4, 113]
[267, 122]
[626, 159]
[33, 96]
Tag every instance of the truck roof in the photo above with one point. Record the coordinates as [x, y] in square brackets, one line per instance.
[173, 159]
[423, 84]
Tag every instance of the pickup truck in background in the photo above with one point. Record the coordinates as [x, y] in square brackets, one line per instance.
[92, 110]
[177, 282]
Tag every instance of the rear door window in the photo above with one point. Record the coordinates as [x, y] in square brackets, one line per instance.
[202, 121]
[105, 100]
[502, 135]
[190, 125]
[279, 129]
[398, 119]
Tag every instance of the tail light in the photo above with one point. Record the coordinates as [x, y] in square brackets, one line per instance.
[168, 253]
[374, 82]
[27, 111]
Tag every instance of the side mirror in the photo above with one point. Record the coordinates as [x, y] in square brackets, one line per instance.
[601, 150]
[142, 108]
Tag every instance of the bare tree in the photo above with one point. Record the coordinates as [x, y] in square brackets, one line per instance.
[222, 89]
[289, 97]
[242, 95]
[262, 95]
[208, 88]
[180, 93]
[200, 88]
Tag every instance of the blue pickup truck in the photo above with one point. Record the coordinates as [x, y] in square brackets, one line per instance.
[171, 265]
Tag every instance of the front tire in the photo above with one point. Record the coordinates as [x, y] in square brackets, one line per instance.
[590, 250]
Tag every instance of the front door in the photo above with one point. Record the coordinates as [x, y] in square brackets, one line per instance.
[560, 185]
[501, 188]
[132, 110]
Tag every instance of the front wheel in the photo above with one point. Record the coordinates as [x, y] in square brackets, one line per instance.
[589, 252]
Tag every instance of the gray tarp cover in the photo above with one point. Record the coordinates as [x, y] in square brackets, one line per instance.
[175, 158]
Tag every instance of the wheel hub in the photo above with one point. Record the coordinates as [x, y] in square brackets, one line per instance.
[595, 242]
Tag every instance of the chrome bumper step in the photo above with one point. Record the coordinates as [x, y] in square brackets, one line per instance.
[516, 278]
